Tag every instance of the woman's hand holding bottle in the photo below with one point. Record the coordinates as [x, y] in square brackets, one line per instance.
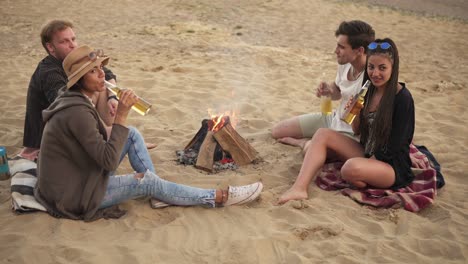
[127, 99]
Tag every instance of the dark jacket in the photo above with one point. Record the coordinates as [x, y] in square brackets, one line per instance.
[75, 157]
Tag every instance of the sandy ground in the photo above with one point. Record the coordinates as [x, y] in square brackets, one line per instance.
[452, 9]
[262, 59]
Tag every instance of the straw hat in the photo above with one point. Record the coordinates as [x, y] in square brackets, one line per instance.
[80, 61]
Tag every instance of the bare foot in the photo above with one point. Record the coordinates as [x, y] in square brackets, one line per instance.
[292, 194]
[150, 145]
[298, 142]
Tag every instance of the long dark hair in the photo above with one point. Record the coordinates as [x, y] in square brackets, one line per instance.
[382, 124]
[78, 85]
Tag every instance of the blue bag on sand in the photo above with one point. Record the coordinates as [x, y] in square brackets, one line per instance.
[4, 169]
[440, 179]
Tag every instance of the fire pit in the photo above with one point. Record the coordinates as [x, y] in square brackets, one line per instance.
[217, 146]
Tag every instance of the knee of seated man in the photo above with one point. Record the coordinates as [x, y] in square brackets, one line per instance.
[322, 133]
[277, 131]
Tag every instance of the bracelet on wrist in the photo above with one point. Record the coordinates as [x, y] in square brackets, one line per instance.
[112, 97]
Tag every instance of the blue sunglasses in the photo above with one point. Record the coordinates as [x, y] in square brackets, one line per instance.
[383, 45]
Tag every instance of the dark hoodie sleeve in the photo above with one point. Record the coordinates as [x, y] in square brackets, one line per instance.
[86, 131]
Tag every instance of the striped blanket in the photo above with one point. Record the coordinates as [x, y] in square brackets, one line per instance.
[22, 187]
[23, 181]
[414, 197]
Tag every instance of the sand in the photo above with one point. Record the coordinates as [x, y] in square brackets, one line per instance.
[262, 59]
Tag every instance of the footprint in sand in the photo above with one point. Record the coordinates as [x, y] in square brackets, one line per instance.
[266, 61]
[443, 86]
[299, 205]
[180, 70]
[152, 69]
[317, 232]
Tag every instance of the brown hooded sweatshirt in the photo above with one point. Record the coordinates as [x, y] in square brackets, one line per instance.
[75, 158]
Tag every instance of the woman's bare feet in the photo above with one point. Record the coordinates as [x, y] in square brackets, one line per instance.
[292, 194]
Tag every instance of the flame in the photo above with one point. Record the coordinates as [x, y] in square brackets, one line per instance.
[218, 122]
[219, 119]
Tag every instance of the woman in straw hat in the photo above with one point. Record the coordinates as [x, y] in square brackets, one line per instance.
[77, 157]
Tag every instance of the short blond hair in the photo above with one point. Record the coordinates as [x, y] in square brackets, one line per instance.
[50, 28]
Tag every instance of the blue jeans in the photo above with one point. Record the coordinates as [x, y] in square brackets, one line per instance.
[126, 187]
[137, 153]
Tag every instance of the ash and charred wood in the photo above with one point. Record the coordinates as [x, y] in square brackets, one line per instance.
[240, 150]
[206, 153]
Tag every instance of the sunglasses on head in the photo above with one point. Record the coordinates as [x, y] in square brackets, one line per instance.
[382, 45]
[93, 55]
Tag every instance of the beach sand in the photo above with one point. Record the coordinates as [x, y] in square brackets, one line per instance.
[262, 59]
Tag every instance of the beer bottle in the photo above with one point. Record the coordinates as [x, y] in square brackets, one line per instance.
[141, 106]
[356, 105]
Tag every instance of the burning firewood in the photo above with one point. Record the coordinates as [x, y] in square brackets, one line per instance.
[241, 151]
[217, 140]
[205, 157]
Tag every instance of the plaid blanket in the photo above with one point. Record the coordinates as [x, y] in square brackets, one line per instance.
[414, 197]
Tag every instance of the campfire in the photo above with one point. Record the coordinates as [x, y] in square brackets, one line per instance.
[217, 146]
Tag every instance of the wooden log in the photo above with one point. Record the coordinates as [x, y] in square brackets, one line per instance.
[205, 157]
[241, 151]
[197, 140]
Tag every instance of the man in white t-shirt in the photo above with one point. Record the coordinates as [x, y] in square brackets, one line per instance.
[352, 39]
